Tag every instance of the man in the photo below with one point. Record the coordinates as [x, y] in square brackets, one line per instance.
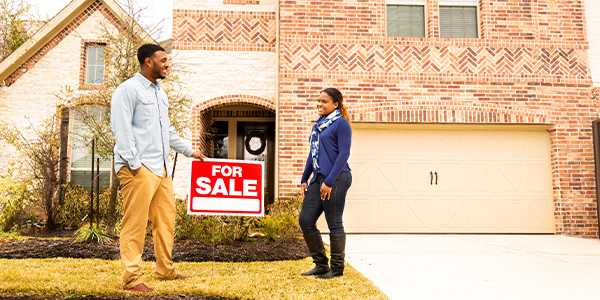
[143, 135]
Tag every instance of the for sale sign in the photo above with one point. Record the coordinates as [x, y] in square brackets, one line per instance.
[226, 187]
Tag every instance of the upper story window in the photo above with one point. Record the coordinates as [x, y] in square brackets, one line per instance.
[405, 18]
[94, 64]
[458, 19]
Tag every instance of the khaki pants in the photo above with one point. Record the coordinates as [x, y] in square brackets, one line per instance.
[146, 196]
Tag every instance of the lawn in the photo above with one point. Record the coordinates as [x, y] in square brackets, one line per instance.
[253, 280]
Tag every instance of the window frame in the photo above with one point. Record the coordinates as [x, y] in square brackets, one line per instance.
[460, 3]
[83, 78]
[71, 145]
[423, 3]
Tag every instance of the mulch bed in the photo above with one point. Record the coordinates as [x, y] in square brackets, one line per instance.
[256, 249]
[194, 251]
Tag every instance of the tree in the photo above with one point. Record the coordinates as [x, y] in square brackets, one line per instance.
[17, 24]
[40, 152]
[121, 63]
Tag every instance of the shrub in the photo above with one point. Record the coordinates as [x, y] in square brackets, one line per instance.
[283, 227]
[209, 229]
[93, 234]
[76, 208]
[289, 207]
[15, 197]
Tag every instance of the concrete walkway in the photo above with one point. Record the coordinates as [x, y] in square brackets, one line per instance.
[478, 266]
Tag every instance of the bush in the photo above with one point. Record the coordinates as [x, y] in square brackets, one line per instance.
[283, 227]
[76, 208]
[209, 229]
[15, 197]
[93, 234]
[283, 207]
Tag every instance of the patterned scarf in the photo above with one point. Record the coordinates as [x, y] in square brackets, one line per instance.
[322, 123]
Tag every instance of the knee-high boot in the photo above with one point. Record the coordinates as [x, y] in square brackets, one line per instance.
[338, 247]
[317, 251]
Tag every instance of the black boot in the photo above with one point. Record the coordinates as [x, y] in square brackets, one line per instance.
[317, 251]
[338, 246]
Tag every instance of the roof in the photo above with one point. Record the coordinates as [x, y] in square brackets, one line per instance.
[49, 30]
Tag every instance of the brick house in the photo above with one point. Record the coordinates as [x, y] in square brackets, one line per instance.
[468, 115]
[68, 51]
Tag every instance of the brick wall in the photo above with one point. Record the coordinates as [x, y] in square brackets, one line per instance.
[530, 67]
[227, 49]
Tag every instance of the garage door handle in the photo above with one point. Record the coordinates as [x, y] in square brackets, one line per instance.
[431, 180]
[435, 177]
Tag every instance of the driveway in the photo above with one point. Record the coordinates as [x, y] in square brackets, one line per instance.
[418, 266]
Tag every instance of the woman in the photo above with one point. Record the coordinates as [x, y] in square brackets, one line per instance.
[328, 163]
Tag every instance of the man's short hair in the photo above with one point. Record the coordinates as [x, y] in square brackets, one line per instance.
[147, 50]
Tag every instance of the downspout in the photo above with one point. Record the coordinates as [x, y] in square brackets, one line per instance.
[277, 47]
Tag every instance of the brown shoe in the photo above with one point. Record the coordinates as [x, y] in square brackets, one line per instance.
[179, 276]
[140, 288]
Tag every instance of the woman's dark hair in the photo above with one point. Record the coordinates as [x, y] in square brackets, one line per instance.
[147, 50]
[336, 96]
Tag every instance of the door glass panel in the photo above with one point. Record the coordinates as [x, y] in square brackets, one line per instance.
[221, 139]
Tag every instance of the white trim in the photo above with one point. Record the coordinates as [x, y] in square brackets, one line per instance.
[457, 2]
[405, 2]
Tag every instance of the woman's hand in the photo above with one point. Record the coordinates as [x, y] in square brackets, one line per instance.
[325, 192]
[304, 188]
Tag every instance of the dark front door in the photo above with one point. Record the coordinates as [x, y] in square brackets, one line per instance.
[256, 141]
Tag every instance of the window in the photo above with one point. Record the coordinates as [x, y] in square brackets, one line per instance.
[458, 21]
[405, 19]
[81, 158]
[95, 64]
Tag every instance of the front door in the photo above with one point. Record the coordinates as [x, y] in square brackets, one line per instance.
[256, 141]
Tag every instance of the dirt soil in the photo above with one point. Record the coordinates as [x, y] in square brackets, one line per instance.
[257, 249]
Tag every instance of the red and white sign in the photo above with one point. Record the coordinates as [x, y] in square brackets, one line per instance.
[226, 187]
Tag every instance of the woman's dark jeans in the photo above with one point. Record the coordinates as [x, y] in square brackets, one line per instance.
[313, 206]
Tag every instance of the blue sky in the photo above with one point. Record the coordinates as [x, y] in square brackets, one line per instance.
[157, 10]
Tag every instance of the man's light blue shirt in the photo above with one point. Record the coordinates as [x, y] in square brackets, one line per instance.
[139, 118]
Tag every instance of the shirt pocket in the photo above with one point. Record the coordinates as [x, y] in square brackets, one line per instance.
[148, 107]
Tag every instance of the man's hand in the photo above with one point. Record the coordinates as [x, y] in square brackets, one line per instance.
[198, 155]
[136, 171]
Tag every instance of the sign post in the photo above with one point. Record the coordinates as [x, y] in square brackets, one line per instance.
[226, 187]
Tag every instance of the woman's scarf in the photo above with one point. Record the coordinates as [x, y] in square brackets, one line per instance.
[321, 124]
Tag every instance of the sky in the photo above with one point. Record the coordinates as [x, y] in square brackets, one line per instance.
[157, 10]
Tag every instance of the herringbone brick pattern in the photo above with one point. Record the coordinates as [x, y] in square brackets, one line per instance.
[224, 30]
[435, 60]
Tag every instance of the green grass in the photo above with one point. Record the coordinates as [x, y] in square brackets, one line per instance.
[254, 280]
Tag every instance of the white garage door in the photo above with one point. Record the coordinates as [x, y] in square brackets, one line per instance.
[432, 178]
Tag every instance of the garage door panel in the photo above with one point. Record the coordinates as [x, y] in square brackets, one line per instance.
[452, 215]
[489, 180]
[418, 214]
[390, 177]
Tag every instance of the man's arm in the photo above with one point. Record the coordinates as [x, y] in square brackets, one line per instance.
[121, 118]
[182, 147]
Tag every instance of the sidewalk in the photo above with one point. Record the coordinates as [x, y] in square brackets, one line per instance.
[477, 266]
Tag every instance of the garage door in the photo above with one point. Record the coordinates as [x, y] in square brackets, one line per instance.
[449, 179]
